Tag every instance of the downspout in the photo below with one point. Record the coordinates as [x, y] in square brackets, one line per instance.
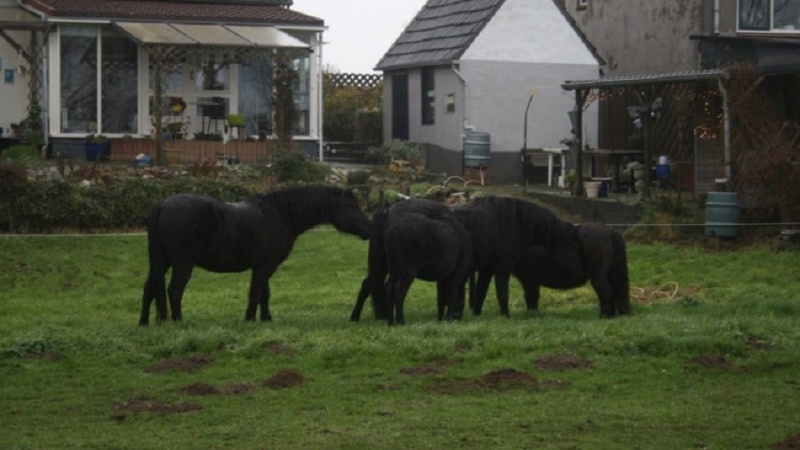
[465, 120]
[320, 83]
[726, 133]
[465, 91]
[716, 17]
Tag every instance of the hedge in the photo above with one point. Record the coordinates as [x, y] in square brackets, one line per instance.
[47, 206]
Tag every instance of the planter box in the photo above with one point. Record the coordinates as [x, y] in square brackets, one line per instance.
[192, 151]
[97, 152]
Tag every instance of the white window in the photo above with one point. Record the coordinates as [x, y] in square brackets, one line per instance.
[769, 15]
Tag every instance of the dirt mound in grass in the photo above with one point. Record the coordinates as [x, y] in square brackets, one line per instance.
[507, 379]
[562, 362]
[791, 443]
[432, 368]
[152, 406]
[285, 378]
[187, 364]
[497, 380]
[202, 389]
[713, 361]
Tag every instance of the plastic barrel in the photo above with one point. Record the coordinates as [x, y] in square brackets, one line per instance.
[477, 148]
[722, 214]
[662, 171]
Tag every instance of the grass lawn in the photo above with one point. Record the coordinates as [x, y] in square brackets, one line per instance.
[710, 358]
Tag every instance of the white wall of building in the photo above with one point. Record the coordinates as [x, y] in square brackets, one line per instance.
[13, 96]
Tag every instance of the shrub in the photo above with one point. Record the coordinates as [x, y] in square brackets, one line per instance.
[369, 126]
[291, 166]
[397, 150]
[21, 154]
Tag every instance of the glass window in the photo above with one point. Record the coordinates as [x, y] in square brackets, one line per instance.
[78, 79]
[117, 63]
[786, 15]
[754, 15]
[428, 96]
[118, 83]
[769, 15]
[302, 94]
[213, 76]
[255, 94]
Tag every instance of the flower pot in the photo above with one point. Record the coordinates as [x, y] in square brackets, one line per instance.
[96, 152]
[592, 188]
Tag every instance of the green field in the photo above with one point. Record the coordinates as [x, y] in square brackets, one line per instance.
[710, 358]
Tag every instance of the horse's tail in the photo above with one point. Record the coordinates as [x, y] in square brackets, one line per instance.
[378, 268]
[618, 276]
[155, 286]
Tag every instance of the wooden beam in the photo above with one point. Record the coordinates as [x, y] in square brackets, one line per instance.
[15, 45]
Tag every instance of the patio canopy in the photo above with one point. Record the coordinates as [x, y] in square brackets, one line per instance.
[16, 18]
[209, 35]
[645, 80]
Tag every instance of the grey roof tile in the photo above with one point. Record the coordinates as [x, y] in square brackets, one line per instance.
[440, 33]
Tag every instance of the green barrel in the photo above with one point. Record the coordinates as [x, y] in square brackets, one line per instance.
[477, 148]
[722, 214]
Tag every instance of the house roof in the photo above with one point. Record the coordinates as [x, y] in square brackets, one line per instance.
[440, 33]
[444, 29]
[272, 12]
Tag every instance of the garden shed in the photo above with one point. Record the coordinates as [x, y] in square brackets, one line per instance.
[472, 67]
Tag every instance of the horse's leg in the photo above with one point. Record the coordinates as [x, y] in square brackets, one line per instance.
[398, 289]
[442, 302]
[363, 293]
[448, 295]
[154, 289]
[531, 290]
[481, 290]
[472, 282]
[181, 272]
[604, 293]
[501, 280]
[259, 295]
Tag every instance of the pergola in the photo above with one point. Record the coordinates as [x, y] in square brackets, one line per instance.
[645, 87]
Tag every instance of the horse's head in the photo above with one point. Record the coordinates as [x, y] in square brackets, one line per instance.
[349, 218]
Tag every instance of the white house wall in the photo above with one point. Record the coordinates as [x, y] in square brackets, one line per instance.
[533, 31]
[499, 93]
[14, 95]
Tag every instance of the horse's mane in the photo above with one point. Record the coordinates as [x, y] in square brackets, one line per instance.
[533, 224]
[304, 206]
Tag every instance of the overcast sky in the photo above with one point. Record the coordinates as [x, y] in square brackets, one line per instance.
[359, 31]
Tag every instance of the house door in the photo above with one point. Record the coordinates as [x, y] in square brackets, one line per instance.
[400, 106]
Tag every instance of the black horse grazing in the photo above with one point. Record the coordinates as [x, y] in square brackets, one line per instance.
[600, 258]
[258, 233]
[415, 239]
[502, 231]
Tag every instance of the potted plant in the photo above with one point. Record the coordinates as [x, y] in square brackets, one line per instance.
[96, 147]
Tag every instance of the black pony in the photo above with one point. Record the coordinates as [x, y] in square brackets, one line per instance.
[602, 260]
[415, 239]
[503, 230]
[188, 230]
[519, 238]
